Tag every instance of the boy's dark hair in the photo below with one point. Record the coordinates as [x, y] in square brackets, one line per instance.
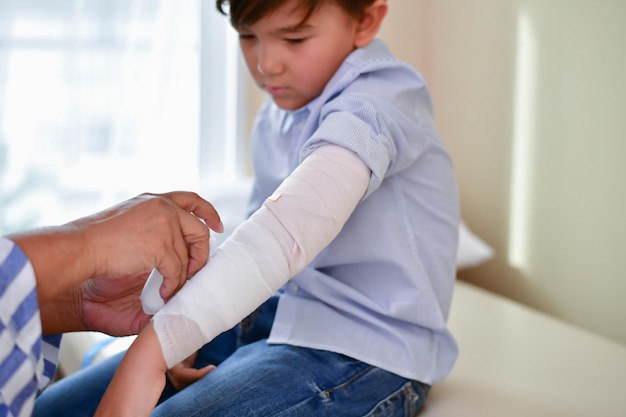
[247, 12]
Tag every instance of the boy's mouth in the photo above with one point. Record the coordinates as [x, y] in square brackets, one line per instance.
[276, 91]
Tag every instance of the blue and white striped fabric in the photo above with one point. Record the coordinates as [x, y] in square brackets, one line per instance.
[27, 360]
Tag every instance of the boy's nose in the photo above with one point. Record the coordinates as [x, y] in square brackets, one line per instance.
[267, 62]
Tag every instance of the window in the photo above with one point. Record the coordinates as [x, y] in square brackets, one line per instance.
[101, 100]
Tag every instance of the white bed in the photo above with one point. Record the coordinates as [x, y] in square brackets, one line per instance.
[515, 361]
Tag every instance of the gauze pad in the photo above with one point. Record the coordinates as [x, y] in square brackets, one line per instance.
[151, 300]
[301, 218]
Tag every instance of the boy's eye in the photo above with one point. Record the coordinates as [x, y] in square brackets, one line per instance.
[295, 41]
[245, 36]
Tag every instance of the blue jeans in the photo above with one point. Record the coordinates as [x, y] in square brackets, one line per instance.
[254, 378]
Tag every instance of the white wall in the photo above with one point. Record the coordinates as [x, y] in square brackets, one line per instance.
[530, 97]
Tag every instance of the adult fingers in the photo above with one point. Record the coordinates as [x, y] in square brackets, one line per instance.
[197, 239]
[192, 250]
[175, 264]
[192, 202]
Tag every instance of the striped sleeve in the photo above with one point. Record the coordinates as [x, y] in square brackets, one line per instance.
[27, 361]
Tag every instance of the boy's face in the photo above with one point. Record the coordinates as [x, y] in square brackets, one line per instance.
[294, 63]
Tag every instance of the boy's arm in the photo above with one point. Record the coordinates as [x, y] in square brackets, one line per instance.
[138, 381]
[284, 235]
[260, 256]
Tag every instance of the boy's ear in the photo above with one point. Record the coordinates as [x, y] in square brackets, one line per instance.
[370, 24]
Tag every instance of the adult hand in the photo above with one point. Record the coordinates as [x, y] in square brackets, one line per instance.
[90, 272]
[152, 230]
[110, 306]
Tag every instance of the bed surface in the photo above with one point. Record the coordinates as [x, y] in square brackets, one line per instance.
[515, 361]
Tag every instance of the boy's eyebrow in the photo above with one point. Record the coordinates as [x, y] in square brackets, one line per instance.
[298, 27]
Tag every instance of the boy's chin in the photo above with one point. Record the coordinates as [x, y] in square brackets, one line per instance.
[289, 104]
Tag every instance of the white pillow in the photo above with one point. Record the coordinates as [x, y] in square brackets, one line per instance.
[472, 250]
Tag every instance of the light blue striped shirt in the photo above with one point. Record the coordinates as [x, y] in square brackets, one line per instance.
[27, 360]
[381, 291]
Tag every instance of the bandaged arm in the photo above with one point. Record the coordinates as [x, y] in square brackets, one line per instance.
[301, 218]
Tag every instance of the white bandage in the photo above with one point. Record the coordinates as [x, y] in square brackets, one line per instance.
[302, 217]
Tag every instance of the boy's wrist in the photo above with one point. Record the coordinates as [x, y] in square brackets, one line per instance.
[149, 348]
[139, 380]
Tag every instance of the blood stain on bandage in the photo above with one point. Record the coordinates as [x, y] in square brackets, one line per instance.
[275, 197]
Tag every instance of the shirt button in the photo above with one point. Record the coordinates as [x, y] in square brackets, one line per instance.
[293, 287]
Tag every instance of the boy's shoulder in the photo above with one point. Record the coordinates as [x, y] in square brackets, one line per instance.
[372, 69]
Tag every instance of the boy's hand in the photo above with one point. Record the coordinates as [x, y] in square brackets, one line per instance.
[184, 374]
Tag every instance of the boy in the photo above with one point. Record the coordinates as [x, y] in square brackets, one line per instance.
[355, 220]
